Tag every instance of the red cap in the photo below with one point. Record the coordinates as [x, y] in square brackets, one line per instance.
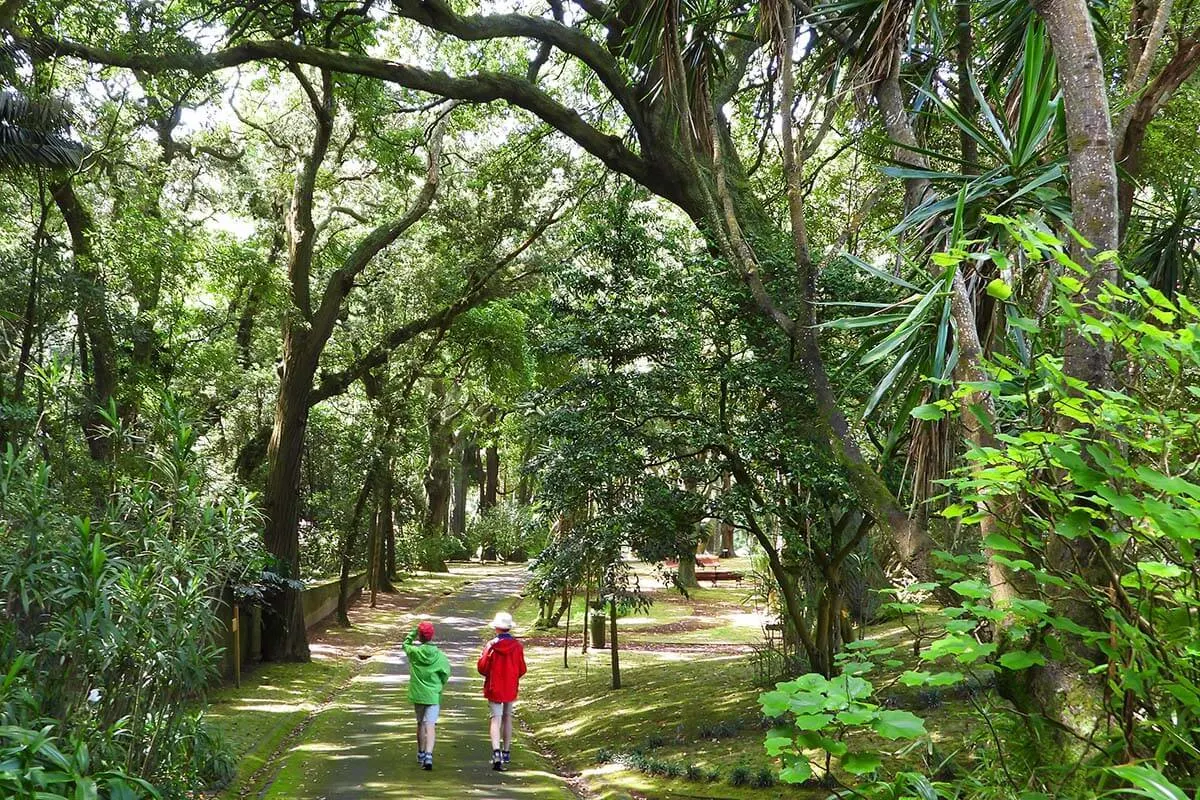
[425, 631]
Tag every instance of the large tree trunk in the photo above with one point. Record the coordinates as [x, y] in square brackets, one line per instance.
[687, 570]
[525, 479]
[1093, 174]
[349, 540]
[386, 567]
[458, 502]
[979, 419]
[437, 481]
[491, 477]
[1063, 690]
[91, 304]
[489, 488]
[29, 322]
[373, 556]
[283, 626]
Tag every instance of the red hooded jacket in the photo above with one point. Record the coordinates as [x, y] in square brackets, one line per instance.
[501, 665]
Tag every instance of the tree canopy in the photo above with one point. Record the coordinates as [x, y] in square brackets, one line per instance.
[893, 294]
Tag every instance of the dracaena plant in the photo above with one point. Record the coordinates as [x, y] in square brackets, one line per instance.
[1069, 460]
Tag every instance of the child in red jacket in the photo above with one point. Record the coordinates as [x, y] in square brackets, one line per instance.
[501, 665]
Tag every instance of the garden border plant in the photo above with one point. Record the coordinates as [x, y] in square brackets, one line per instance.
[1070, 460]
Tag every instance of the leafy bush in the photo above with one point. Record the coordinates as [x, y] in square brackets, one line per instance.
[1109, 472]
[107, 614]
[763, 779]
[741, 775]
[719, 729]
[512, 529]
[34, 767]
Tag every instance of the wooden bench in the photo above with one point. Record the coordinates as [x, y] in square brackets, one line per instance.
[704, 562]
[719, 575]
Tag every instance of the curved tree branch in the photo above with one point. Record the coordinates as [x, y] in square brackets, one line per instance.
[341, 282]
[438, 15]
[480, 87]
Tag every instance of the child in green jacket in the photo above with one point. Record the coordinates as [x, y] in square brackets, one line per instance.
[428, 672]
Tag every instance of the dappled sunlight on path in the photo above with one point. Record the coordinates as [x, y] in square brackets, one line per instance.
[362, 744]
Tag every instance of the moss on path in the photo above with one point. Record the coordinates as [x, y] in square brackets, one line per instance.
[363, 744]
[274, 701]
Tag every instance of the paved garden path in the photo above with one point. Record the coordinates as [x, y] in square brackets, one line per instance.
[363, 744]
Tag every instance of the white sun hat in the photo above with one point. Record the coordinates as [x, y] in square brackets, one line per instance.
[503, 621]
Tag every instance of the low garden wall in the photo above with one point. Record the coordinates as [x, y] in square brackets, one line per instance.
[319, 601]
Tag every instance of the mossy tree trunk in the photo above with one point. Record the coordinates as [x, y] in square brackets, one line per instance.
[349, 540]
[612, 635]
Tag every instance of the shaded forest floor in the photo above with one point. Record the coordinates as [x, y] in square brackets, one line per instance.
[261, 719]
[685, 724]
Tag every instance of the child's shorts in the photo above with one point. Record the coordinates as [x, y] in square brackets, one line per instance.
[500, 709]
[427, 715]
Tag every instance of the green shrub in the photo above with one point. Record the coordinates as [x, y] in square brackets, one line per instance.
[34, 764]
[741, 775]
[107, 615]
[763, 779]
[511, 529]
[720, 729]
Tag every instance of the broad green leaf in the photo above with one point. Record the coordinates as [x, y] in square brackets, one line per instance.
[929, 411]
[861, 763]
[945, 678]
[998, 289]
[997, 541]
[1159, 569]
[812, 682]
[974, 589]
[1021, 659]
[777, 744]
[855, 716]
[774, 703]
[899, 725]
[812, 722]
[798, 772]
[1148, 783]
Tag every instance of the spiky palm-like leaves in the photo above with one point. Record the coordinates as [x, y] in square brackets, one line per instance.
[33, 133]
[1169, 256]
[1021, 148]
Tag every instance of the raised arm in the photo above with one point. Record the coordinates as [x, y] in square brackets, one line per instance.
[485, 660]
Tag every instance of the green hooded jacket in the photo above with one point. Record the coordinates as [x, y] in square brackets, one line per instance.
[428, 671]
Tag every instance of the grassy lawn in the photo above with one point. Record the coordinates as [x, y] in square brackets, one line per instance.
[682, 711]
[684, 707]
[275, 700]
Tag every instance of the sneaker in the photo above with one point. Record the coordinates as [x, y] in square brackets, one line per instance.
[505, 757]
[420, 757]
[497, 761]
[428, 763]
